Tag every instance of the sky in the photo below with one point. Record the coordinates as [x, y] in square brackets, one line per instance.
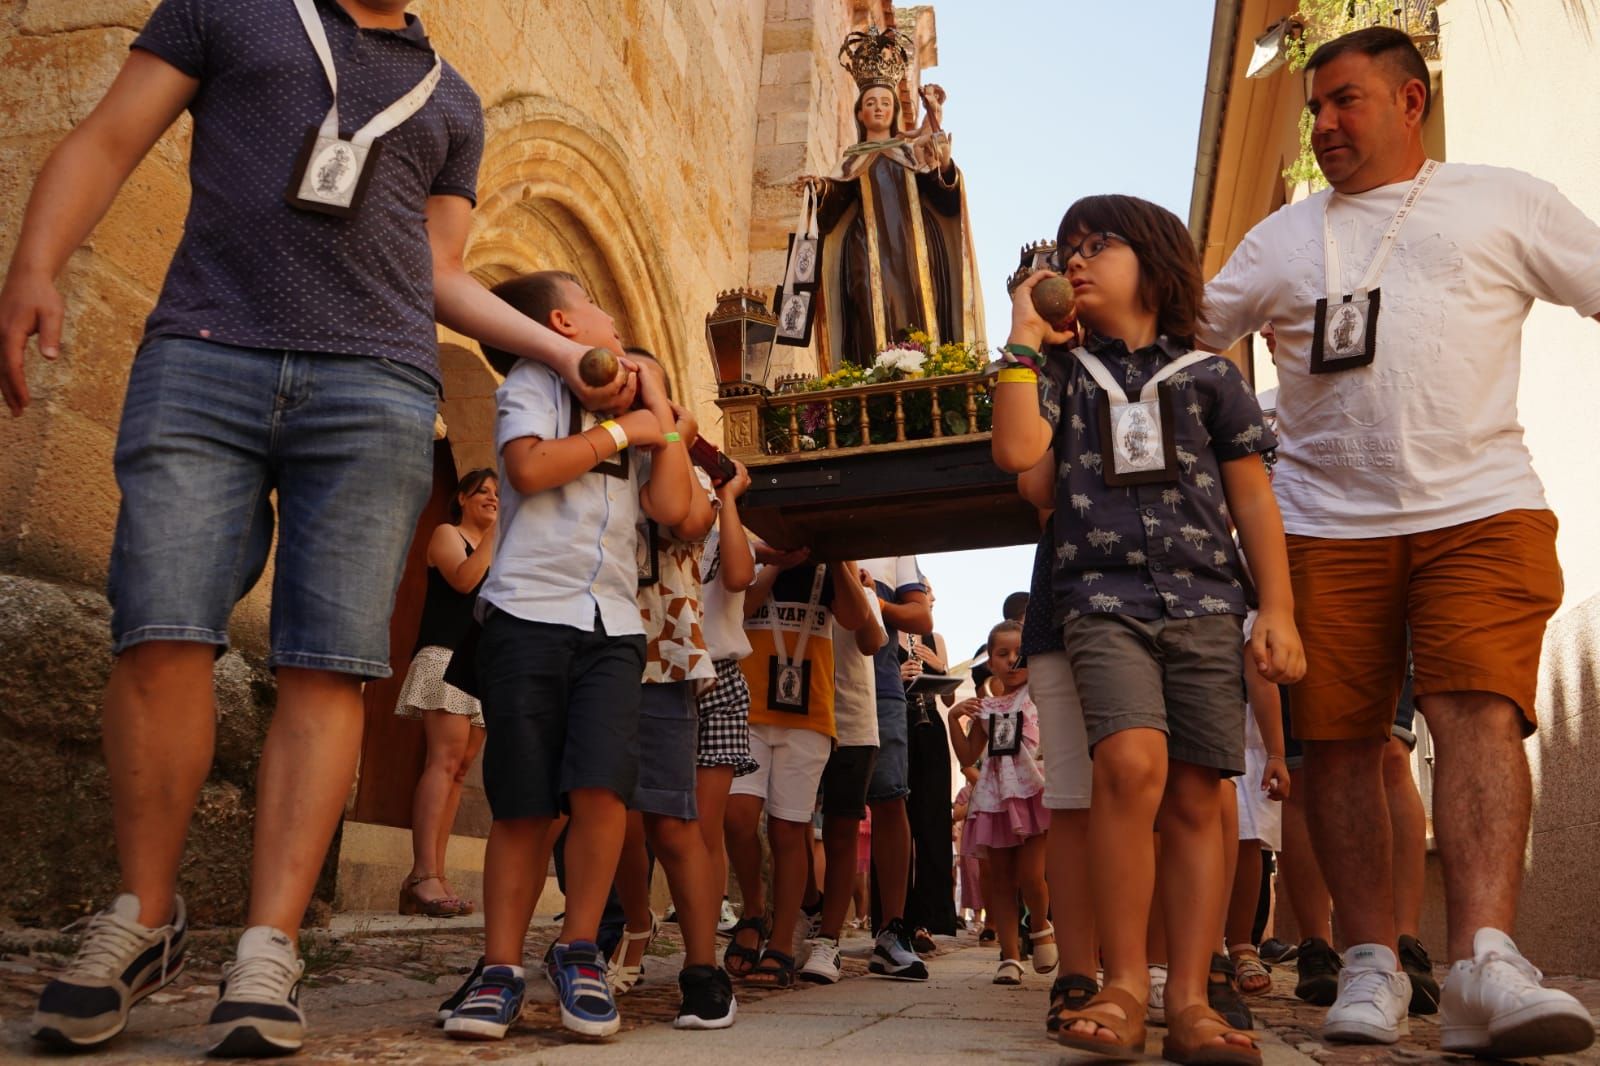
[1050, 100]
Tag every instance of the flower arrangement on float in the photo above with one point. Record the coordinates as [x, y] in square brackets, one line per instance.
[890, 397]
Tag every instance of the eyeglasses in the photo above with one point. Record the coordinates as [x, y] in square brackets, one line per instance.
[1087, 249]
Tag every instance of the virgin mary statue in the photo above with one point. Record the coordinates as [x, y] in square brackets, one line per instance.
[897, 251]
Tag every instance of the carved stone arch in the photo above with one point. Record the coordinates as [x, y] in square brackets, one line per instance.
[556, 192]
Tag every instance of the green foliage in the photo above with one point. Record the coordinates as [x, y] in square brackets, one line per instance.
[1323, 20]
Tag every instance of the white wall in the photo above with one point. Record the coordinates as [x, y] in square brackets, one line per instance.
[1519, 91]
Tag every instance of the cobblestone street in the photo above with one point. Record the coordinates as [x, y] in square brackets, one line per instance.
[373, 983]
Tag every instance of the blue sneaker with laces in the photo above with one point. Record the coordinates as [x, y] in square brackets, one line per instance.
[578, 972]
[491, 1006]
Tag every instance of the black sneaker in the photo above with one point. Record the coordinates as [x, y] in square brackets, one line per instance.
[708, 1001]
[258, 1013]
[1318, 966]
[448, 1007]
[1222, 994]
[922, 943]
[1275, 951]
[892, 955]
[1418, 966]
[118, 963]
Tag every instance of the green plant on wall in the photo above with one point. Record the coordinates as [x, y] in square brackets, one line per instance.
[1322, 21]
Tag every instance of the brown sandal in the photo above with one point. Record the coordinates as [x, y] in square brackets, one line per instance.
[1127, 1033]
[1251, 974]
[1190, 1035]
[411, 903]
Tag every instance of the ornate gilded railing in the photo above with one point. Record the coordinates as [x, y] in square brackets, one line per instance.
[893, 414]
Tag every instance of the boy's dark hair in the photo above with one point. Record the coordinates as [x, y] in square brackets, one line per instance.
[1010, 625]
[1387, 45]
[646, 353]
[535, 295]
[1014, 607]
[469, 484]
[1169, 266]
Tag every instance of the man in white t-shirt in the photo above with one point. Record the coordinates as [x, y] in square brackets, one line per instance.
[1409, 496]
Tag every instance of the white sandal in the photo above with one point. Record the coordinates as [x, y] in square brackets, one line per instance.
[1009, 972]
[1045, 956]
[622, 977]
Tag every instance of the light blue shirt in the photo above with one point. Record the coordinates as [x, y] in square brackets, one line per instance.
[566, 552]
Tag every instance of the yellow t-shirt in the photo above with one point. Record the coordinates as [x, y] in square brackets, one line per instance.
[801, 697]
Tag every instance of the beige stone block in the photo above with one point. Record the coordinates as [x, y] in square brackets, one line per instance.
[780, 37]
[59, 16]
[766, 130]
[52, 82]
[793, 128]
[770, 67]
[780, 163]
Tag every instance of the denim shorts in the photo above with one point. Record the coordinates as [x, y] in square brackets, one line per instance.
[561, 707]
[209, 433]
[891, 774]
[669, 729]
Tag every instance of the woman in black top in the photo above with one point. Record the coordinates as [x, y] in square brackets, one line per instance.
[459, 553]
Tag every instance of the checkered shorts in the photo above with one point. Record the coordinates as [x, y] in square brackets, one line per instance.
[725, 722]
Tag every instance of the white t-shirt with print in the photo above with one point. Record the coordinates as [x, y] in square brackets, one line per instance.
[724, 610]
[1427, 436]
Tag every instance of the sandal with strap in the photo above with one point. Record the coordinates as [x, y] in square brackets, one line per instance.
[1127, 1034]
[1009, 972]
[1250, 974]
[1070, 992]
[1190, 1039]
[411, 903]
[619, 975]
[1045, 956]
[748, 957]
[775, 970]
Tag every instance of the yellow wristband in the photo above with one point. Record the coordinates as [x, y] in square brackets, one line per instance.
[618, 434]
[1018, 374]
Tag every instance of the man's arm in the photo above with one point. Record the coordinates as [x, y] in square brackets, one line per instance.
[912, 614]
[738, 566]
[465, 306]
[72, 193]
[849, 597]
[1021, 433]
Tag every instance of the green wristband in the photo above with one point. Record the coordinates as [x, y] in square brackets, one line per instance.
[672, 437]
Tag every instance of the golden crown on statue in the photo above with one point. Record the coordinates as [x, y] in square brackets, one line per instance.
[876, 57]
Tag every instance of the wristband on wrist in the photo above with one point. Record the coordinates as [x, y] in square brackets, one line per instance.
[1280, 758]
[1022, 355]
[1017, 375]
[618, 434]
[672, 437]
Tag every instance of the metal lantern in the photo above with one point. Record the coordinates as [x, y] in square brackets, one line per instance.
[740, 333]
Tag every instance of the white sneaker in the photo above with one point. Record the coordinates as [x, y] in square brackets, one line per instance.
[1374, 997]
[258, 1014]
[822, 961]
[1494, 1006]
[1155, 1010]
[727, 919]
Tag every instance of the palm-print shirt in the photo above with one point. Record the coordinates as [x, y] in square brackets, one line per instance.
[1156, 550]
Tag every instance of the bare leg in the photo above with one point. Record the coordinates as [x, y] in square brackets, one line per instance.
[1031, 882]
[1228, 800]
[307, 767]
[891, 856]
[599, 823]
[1130, 773]
[452, 805]
[839, 845]
[1409, 824]
[681, 851]
[790, 841]
[742, 832]
[1000, 889]
[1246, 894]
[633, 886]
[1067, 870]
[1349, 819]
[1299, 875]
[711, 784]
[1483, 797]
[438, 793]
[158, 732]
[1193, 883]
[509, 894]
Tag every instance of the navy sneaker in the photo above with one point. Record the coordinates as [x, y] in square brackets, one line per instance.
[118, 963]
[258, 1012]
[491, 1006]
[708, 1001]
[448, 1007]
[578, 971]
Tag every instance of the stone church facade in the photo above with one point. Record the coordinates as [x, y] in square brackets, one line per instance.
[648, 146]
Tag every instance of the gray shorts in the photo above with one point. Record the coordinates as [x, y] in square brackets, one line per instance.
[669, 734]
[1183, 676]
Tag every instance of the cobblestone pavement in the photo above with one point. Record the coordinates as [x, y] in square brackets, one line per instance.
[372, 988]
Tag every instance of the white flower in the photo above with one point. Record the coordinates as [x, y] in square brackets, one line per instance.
[807, 444]
[909, 360]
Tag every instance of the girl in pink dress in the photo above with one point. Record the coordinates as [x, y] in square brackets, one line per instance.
[1007, 819]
